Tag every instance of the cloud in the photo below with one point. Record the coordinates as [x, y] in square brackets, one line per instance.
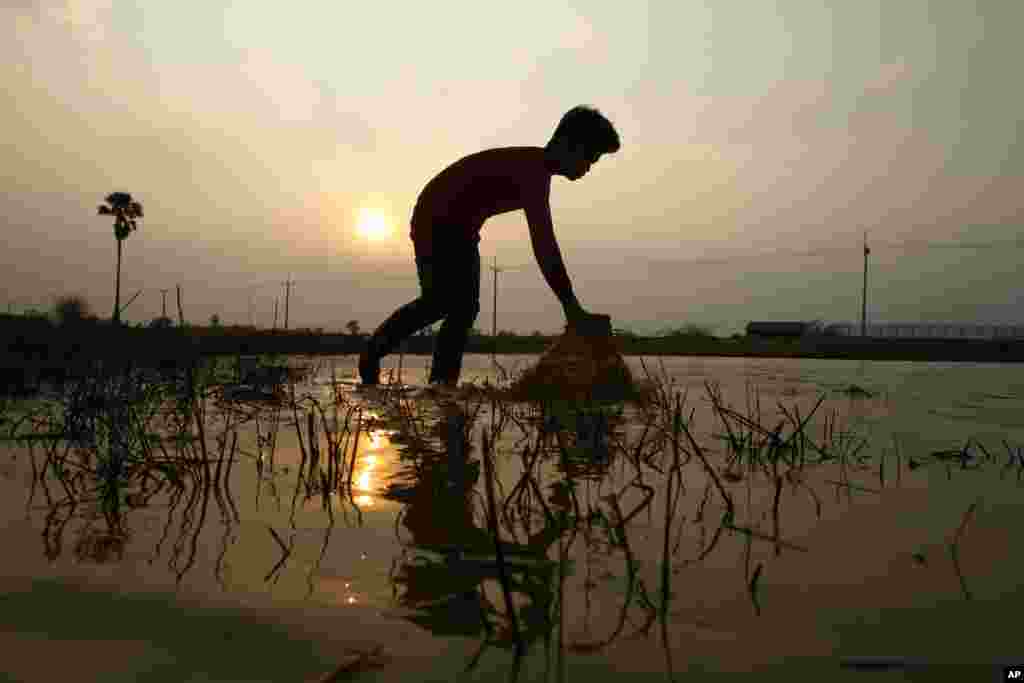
[308, 118]
[84, 20]
[580, 36]
[811, 110]
[791, 110]
[87, 19]
[569, 58]
[337, 123]
[59, 45]
[806, 161]
[291, 94]
[890, 76]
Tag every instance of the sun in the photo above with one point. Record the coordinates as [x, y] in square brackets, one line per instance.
[373, 225]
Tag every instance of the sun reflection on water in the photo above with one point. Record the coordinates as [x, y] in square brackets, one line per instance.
[366, 474]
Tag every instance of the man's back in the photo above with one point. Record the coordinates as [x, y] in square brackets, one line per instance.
[457, 201]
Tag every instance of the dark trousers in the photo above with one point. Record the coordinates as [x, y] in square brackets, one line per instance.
[449, 289]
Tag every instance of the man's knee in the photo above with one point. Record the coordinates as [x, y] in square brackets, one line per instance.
[473, 310]
[433, 305]
[465, 313]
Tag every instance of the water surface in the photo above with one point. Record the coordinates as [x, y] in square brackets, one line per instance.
[861, 570]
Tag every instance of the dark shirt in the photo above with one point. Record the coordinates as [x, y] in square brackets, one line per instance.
[452, 207]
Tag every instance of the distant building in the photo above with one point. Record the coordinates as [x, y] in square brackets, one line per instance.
[784, 329]
[939, 330]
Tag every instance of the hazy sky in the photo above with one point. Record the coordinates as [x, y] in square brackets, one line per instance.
[255, 133]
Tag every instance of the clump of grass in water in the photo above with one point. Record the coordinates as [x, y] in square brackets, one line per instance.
[342, 442]
[578, 367]
[113, 425]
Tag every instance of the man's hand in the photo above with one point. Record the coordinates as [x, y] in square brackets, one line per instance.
[588, 324]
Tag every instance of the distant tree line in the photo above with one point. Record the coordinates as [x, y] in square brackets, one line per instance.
[74, 309]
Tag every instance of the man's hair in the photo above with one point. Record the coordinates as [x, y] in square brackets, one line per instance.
[589, 127]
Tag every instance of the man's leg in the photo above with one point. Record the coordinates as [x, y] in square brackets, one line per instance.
[403, 323]
[463, 295]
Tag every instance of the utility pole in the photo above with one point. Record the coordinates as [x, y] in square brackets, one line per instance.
[287, 295]
[275, 313]
[864, 293]
[164, 292]
[181, 315]
[250, 309]
[494, 312]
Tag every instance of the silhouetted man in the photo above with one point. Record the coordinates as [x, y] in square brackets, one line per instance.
[445, 231]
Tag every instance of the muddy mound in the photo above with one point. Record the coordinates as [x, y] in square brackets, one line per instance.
[578, 367]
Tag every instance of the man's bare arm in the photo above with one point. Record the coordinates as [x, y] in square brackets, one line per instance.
[549, 257]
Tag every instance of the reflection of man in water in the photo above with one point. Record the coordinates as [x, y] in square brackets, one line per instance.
[439, 515]
[440, 507]
[447, 595]
[445, 232]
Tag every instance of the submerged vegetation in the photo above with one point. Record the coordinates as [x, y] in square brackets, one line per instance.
[501, 498]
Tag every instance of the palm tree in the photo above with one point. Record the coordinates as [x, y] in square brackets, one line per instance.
[125, 211]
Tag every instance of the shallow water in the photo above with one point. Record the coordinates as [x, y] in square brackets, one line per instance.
[843, 582]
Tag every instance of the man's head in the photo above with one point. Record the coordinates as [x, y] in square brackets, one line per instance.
[582, 136]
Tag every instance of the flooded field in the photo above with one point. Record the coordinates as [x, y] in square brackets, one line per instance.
[792, 517]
